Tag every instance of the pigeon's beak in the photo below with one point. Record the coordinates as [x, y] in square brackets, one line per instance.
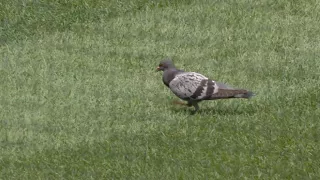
[158, 68]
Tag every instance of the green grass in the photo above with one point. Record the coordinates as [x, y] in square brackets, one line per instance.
[80, 98]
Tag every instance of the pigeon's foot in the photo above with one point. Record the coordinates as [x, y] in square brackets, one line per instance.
[193, 112]
[196, 107]
[180, 103]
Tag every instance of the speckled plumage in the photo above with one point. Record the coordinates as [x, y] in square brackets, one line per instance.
[194, 87]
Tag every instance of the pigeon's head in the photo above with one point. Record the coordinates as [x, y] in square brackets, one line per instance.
[165, 64]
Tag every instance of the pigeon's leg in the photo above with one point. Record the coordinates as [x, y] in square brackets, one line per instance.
[195, 105]
[189, 103]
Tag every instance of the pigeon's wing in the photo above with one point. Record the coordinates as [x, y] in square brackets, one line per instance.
[196, 87]
[192, 86]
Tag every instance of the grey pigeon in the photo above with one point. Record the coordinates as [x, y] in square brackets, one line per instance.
[194, 87]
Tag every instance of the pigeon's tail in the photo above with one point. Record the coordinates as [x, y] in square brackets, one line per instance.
[231, 93]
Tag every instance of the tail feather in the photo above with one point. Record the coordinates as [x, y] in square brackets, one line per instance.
[231, 93]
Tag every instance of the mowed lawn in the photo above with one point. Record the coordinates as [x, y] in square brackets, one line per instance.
[80, 97]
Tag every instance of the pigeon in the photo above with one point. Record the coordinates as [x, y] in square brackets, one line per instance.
[194, 87]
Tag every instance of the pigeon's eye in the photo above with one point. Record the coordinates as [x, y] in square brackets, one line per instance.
[160, 65]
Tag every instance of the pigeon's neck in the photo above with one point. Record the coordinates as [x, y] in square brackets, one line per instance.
[169, 74]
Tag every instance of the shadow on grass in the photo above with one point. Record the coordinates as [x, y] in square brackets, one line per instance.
[217, 110]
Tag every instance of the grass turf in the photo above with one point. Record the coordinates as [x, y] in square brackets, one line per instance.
[80, 98]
